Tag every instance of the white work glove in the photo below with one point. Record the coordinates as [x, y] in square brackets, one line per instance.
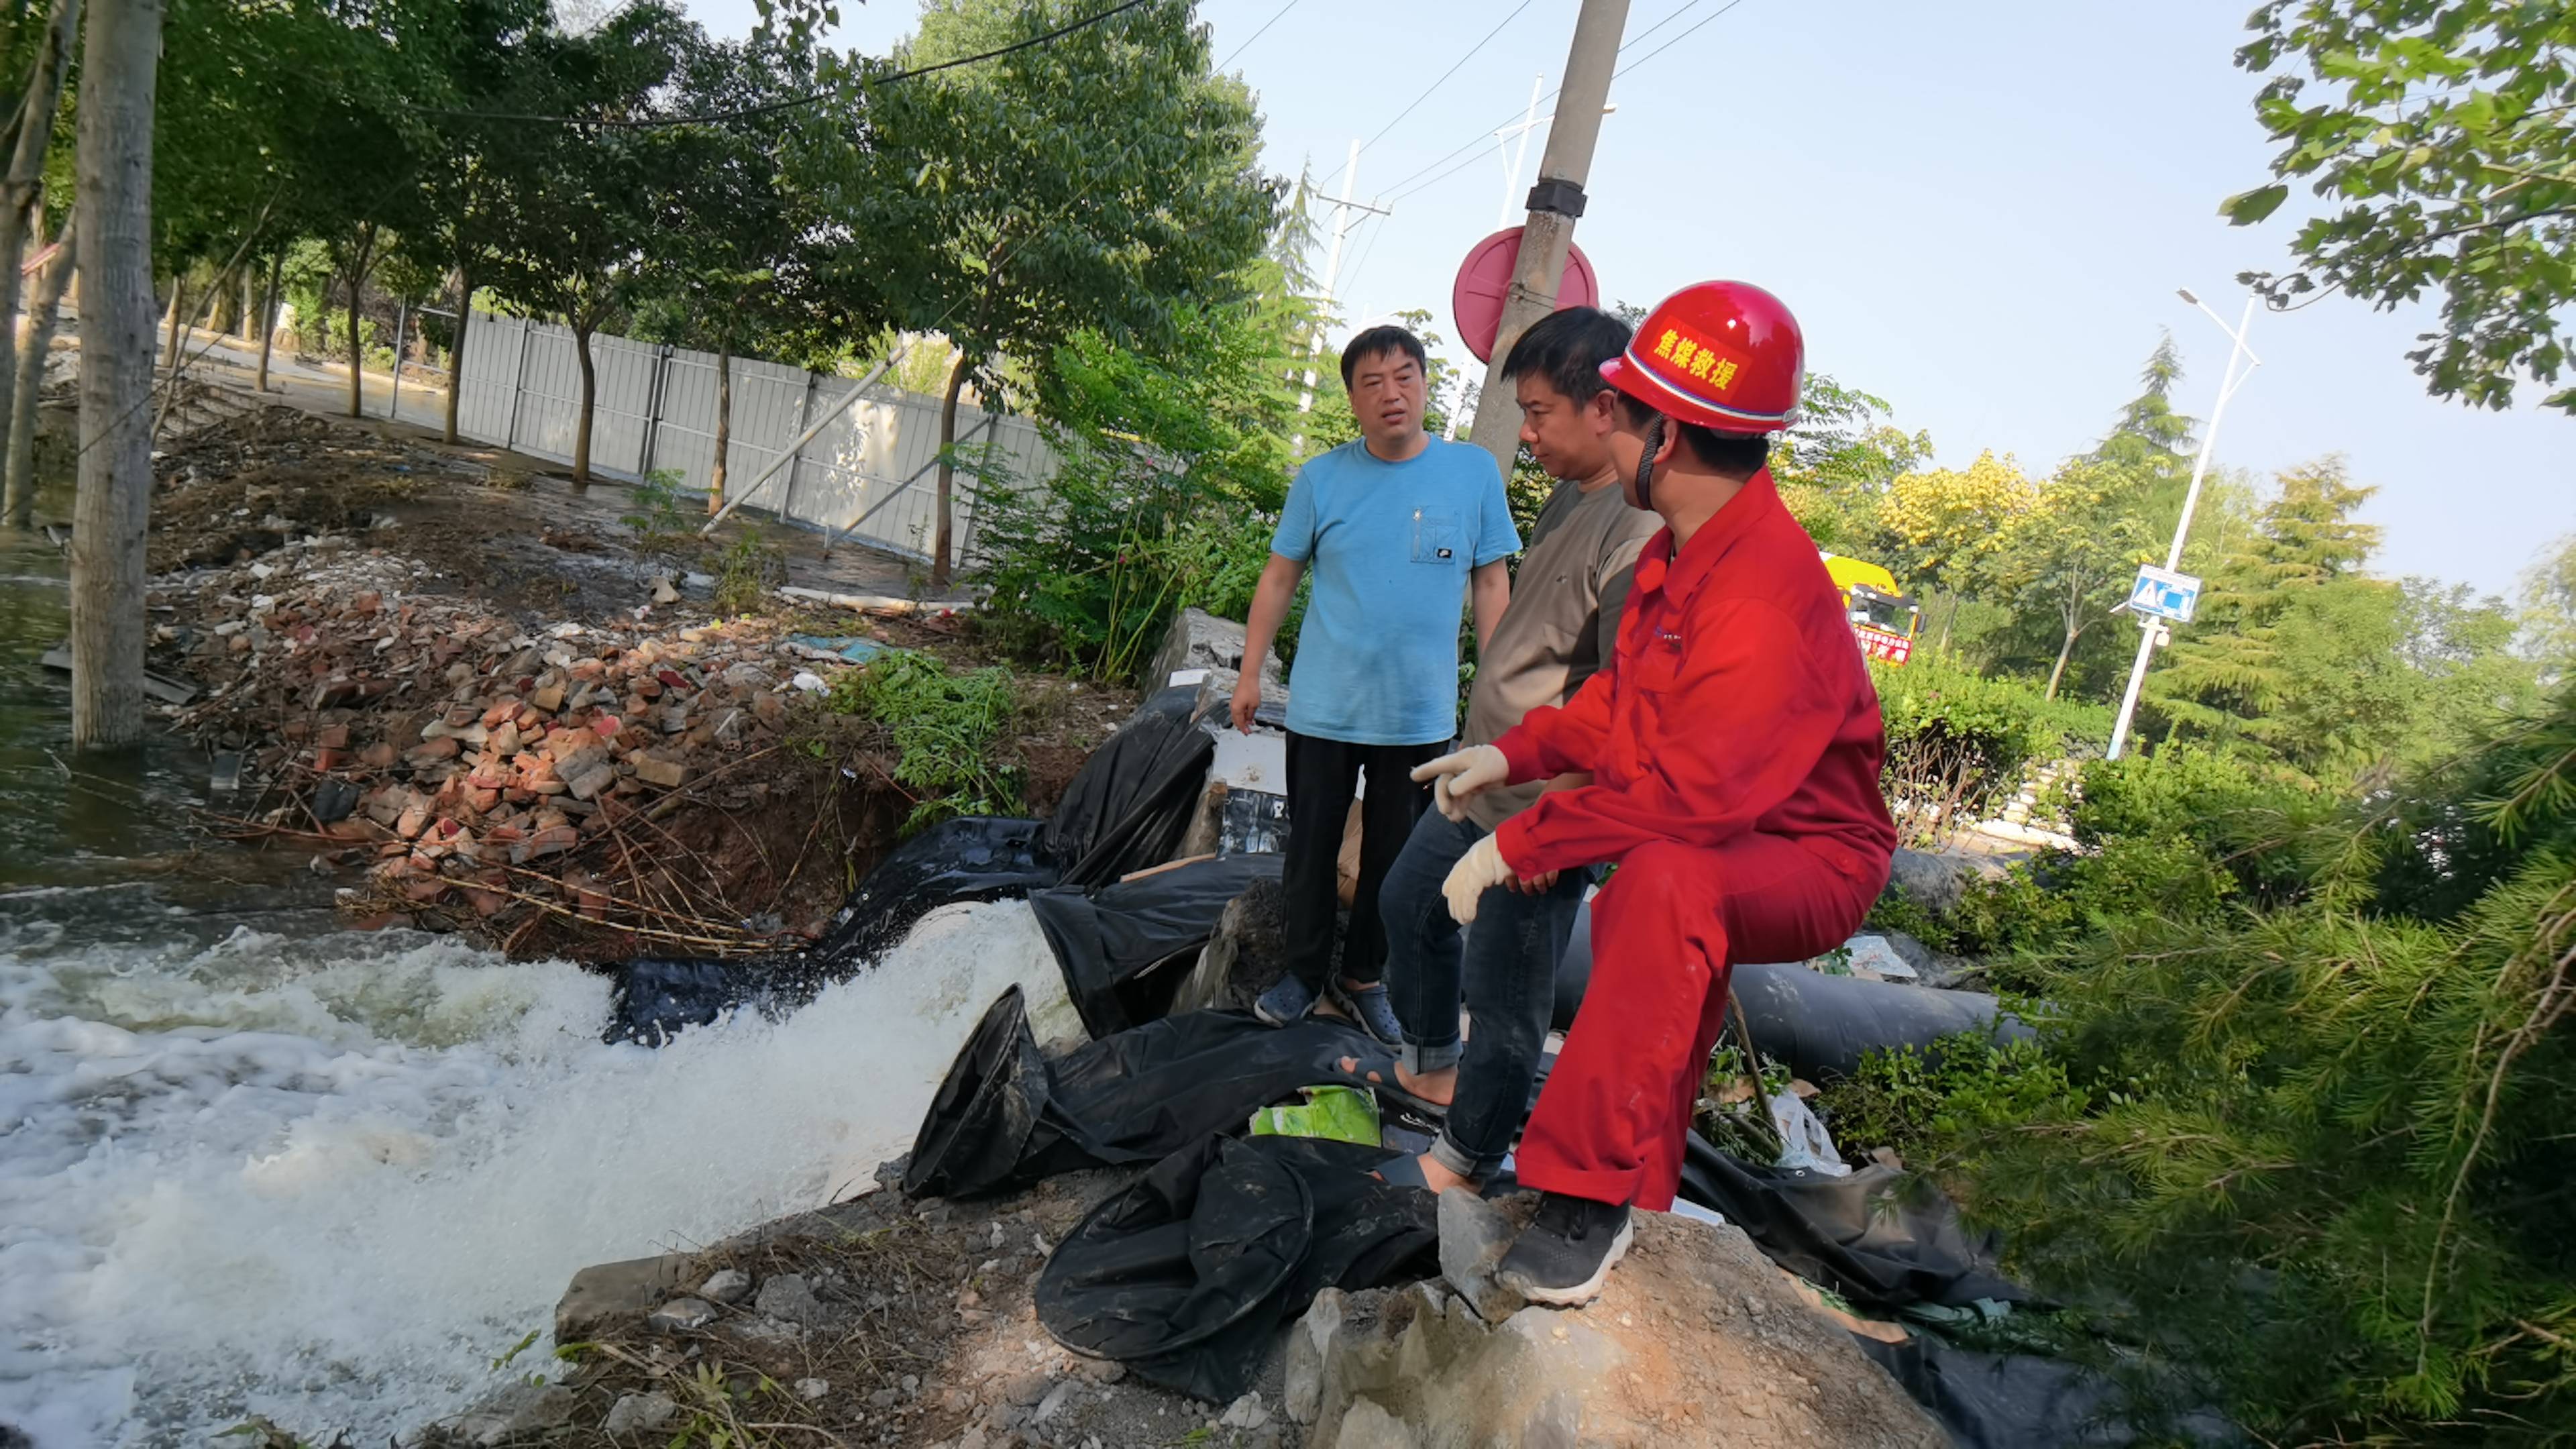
[1454, 777]
[1479, 870]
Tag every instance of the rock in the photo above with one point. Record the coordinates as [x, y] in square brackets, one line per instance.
[726, 1285]
[1948, 971]
[1909, 950]
[787, 1297]
[1308, 1344]
[519, 1411]
[1934, 882]
[586, 783]
[1243, 1413]
[1026, 1389]
[680, 1314]
[638, 1413]
[663, 593]
[1200, 640]
[605, 1292]
[818, 1388]
[1055, 1401]
[1474, 1235]
[1664, 1339]
[1368, 1426]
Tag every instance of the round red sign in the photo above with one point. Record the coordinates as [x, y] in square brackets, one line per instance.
[1476, 301]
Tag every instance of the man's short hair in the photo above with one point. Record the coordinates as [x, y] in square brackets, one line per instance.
[1733, 455]
[1389, 338]
[1567, 347]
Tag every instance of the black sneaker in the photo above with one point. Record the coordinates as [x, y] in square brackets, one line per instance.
[1564, 1256]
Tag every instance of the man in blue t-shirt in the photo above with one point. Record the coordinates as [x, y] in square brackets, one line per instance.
[1399, 526]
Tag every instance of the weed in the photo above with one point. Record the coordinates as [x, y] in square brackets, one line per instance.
[661, 521]
[944, 726]
[745, 574]
[1923, 1102]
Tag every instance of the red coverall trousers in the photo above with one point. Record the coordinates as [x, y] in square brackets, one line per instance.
[1611, 1124]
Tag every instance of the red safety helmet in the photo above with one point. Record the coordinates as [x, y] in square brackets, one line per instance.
[1724, 355]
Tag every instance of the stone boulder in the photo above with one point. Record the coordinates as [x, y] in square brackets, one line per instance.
[1201, 640]
[1698, 1340]
[1934, 882]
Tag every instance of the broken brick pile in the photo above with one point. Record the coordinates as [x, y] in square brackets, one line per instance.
[473, 756]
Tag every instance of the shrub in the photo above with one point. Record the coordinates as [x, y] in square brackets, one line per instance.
[945, 725]
[1957, 742]
[1931, 1106]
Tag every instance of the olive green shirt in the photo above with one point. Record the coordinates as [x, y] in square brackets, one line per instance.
[1563, 621]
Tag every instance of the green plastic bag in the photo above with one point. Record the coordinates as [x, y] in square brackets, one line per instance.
[1336, 1114]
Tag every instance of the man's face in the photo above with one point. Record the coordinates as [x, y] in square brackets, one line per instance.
[1387, 395]
[1569, 439]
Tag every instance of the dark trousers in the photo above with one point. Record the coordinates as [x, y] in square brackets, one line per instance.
[1505, 966]
[1321, 776]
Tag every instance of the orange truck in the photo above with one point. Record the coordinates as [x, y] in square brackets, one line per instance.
[1882, 617]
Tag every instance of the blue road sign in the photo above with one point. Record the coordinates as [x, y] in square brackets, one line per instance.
[2164, 594]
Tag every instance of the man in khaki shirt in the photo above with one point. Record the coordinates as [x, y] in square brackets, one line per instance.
[1563, 621]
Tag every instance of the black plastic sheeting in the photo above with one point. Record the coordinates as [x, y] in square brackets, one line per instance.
[1879, 1237]
[1126, 809]
[1187, 1276]
[1110, 940]
[1006, 1116]
[2023, 1401]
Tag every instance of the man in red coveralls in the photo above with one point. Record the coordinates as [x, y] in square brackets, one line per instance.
[1734, 743]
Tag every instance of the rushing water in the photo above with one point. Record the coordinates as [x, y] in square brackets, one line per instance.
[252, 1163]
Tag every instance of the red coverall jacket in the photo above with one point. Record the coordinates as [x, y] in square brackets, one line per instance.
[1737, 702]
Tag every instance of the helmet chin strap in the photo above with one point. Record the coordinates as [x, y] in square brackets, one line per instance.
[1646, 463]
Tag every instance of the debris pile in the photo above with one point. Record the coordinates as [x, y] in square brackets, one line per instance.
[476, 764]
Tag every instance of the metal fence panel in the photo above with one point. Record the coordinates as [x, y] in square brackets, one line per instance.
[872, 466]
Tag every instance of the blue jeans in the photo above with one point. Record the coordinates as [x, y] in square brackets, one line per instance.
[1506, 965]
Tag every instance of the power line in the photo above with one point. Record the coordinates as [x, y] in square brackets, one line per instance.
[1256, 35]
[1676, 40]
[1406, 191]
[705, 117]
[1677, 13]
[1436, 84]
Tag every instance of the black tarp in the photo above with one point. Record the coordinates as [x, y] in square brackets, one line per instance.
[1126, 809]
[2024, 1401]
[1109, 939]
[1187, 1276]
[1879, 1237]
[1005, 1115]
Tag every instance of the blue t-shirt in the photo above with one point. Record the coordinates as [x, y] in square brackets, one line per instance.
[1389, 546]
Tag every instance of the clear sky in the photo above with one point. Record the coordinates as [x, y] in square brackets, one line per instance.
[1979, 212]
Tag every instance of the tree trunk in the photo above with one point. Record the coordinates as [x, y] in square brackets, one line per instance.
[178, 296]
[2058, 673]
[724, 426]
[589, 387]
[943, 531]
[26, 179]
[456, 351]
[45, 313]
[268, 319]
[120, 58]
[249, 300]
[357, 348]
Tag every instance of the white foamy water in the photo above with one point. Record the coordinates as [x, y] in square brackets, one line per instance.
[330, 1180]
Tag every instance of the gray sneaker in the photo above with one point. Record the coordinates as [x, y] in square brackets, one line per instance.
[1566, 1253]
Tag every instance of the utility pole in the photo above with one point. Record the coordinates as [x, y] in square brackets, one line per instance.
[2149, 626]
[1342, 210]
[1553, 204]
[1511, 187]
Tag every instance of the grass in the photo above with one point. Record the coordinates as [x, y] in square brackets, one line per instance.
[945, 726]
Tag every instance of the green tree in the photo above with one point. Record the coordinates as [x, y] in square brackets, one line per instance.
[2443, 135]
[1945, 528]
[1099, 180]
[2295, 652]
[1836, 463]
[585, 207]
[2071, 555]
[2549, 606]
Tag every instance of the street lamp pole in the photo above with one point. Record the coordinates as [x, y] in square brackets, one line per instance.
[2148, 625]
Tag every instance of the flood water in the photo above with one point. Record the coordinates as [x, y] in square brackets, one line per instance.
[255, 1163]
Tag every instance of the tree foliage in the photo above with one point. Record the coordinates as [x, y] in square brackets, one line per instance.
[2442, 136]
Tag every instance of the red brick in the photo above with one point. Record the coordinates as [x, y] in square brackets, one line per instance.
[379, 755]
[433, 751]
[332, 737]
